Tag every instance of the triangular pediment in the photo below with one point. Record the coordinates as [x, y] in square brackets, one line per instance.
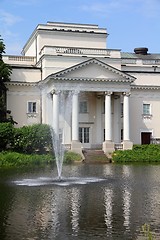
[95, 70]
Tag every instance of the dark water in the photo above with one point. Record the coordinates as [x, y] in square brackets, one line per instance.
[101, 202]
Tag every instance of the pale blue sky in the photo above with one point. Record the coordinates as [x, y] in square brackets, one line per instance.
[130, 23]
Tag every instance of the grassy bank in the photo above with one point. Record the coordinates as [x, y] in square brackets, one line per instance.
[15, 159]
[139, 153]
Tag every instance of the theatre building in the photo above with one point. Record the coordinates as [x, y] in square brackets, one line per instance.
[111, 99]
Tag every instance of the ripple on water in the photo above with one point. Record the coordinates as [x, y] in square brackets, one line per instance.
[42, 181]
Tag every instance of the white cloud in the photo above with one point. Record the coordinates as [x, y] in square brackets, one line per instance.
[8, 19]
[149, 8]
[7, 31]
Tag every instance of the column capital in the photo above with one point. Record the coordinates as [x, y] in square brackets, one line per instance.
[108, 93]
[55, 91]
[127, 94]
[75, 92]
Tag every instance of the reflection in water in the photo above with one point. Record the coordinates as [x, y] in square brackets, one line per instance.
[54, 209]
[113, 209]
[108, 203]
[75, 209]
[126, 195]
[108, 171]
[126, 171]
[126, 208]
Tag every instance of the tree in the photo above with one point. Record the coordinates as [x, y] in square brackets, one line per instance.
[5, 72]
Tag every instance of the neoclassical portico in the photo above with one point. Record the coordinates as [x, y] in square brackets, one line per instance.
[113, 90]
[108, 145]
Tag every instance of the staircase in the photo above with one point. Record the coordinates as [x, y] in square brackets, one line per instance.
[95, 156]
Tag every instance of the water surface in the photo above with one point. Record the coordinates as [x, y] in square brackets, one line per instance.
[91, 202]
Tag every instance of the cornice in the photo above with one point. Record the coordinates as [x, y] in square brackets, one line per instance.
[145, 87]
[98, 62]
[28, 84]
[140, 71]
[92, 79]
[25, 67]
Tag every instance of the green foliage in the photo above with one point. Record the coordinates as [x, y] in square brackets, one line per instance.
[71, 157]
[6, 135]
[5, 69]
[14, 159]
[5, 72]
[33, 138]
[2, 47]
[139, 153]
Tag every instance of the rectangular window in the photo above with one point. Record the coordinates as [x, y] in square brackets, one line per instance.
[83, 107]
[103, 107]
[84, 135]
[32, 107]
[80, 135]
[146, 109]
[121, 109]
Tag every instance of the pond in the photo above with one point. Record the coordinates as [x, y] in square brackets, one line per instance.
[93, 201]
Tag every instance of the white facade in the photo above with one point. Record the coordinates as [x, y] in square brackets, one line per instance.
[114, 97]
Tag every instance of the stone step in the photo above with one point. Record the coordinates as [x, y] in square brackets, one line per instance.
[95, 156]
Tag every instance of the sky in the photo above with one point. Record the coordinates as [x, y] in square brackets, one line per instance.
[129, 23]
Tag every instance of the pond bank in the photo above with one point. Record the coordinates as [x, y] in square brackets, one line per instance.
[140, 153]
[14, 159]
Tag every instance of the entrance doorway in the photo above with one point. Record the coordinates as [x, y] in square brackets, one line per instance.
[145, 137]
[84, 136]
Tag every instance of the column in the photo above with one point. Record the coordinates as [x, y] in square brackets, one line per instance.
[98, 119]
[108, 117]
[76, 145]
[108, 145]
[43, 106]
[49, 114]
[126, 117]
[126, 128]
[75, 119]
[55, 106]
[117, 119]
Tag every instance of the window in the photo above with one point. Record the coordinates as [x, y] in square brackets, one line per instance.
[83, 107]
[146, 109]
[121, 109]
[84, 135]
[31, 107]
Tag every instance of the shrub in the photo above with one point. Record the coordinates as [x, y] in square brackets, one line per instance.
[6, 134]
[14, 159]
[139, 153]
[33, 138]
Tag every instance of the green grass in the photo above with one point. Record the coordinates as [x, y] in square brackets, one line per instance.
[72, 157]
[15, 159]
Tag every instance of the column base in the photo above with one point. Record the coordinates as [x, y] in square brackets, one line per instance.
[76, 147]
[127, 145]
[108, 147]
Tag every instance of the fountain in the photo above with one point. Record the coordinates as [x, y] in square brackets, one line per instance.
[58, 130]
[65, 104]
